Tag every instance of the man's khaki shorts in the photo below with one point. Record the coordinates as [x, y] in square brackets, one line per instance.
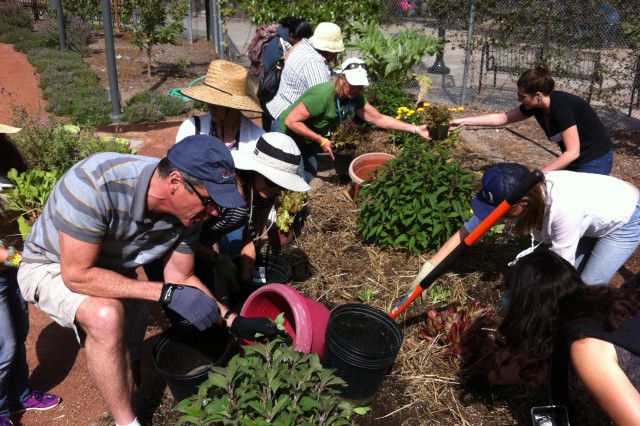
[42, 285]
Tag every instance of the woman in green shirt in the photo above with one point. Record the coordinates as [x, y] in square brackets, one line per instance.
[322, 108]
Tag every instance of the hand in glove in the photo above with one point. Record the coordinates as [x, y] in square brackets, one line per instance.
[248, 327]
[192, 303]
[424, 271]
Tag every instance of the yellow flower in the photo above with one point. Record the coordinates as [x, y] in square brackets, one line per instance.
[410, 113]
[426, 104]
[460, 108]
[398, 117]
[420, 110]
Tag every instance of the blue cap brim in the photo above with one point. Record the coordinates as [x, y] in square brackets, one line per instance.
[225, 194]
[480, 208]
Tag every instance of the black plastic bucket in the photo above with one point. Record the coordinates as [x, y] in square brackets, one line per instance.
[184, 355]
[362, 343]
[275, 268]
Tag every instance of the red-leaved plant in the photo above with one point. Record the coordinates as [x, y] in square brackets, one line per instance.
[446, 326]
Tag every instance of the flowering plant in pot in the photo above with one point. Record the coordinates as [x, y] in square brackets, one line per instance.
[344, 141]
[437, 118]
[288, 219]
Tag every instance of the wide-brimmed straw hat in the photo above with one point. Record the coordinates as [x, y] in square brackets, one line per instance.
[225, 85]
[276, 157]
[327, 37]
[9, 129]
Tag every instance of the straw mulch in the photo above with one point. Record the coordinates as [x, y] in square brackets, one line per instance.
[333, 265]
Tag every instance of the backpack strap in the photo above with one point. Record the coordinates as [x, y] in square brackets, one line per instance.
[196, 122]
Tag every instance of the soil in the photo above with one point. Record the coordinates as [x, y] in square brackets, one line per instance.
[58, 364]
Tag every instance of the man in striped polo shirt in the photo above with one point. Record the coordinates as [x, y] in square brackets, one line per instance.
[110, 214]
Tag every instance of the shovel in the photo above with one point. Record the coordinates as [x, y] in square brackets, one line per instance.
[529, 182]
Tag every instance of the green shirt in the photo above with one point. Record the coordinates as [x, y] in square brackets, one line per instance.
[322, 104]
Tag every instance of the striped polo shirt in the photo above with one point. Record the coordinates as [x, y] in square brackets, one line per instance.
[303, 69]
[102, 200]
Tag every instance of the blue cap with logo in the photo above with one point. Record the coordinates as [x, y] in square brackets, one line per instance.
[208, 158]
[497, 183]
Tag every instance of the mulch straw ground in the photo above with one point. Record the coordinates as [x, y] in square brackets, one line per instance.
[331, 264]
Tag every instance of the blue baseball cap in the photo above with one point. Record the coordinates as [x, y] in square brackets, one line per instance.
[208, 158]
[497, 183]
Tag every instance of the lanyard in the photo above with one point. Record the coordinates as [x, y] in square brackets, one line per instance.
[339, 107]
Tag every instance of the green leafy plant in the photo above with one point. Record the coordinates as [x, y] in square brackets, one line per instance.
[77, 34]
[447, 326]
[347, 136]
[385, 95]
[51, 144]
[15, 13]
[160, 21]
[366, 294]
[392, 55]
[288, 204]
[30, 192]
[439, 294]
[150, 106]
[270, 384]
[419, 199]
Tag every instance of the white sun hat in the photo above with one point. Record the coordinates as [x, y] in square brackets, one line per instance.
[355, 70]
[327, 37]
[276, 157]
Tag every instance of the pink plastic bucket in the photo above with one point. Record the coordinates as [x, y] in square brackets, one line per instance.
[304, 319]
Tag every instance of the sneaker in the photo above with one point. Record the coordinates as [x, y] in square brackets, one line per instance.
[37, 401]
[5, 421]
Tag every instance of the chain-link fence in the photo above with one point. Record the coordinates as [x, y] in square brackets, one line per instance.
[492, 42]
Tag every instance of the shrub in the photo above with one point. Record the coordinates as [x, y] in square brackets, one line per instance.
[150, 106]
[71, 87]
[270, 385]
[78, 34]
[18, 35]
[14, 12]
[386, 95]
[48, 145]
[30, 192]
[420, 198]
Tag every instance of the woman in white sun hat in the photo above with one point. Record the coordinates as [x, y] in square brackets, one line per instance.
[322, 108]
[262, 175]
[225, 92]
[306, 65]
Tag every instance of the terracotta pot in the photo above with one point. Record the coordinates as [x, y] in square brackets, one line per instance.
[439, 133]
[364, 167]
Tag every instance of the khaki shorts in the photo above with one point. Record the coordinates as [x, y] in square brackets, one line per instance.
[42, 285]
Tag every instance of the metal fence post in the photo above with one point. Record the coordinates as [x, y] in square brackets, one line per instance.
[467, 56]
[114, 90]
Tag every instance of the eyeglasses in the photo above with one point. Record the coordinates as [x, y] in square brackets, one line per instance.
[206, 201]
[354, 65]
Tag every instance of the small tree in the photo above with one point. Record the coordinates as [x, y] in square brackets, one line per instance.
[159, 21]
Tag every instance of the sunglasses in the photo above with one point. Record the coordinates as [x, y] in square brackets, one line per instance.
[206, 201]
[355, 65]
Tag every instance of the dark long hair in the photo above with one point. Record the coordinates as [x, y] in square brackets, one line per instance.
[536, 80]
[10, 157]
[545, 292]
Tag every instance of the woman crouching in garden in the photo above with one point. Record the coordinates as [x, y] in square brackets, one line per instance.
[555, 322]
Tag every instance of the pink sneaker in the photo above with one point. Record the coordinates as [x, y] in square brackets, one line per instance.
[37, 401]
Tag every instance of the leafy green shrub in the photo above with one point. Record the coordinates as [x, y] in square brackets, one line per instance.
[420, 199]
[18, 35]
[48, 145]
[150, 106]
[392, 55]
[78, 34]
[14, 12]
[270, 385]
[85, 9]
[71, 87]
[340, 12]
[30, 191]
[387, 95]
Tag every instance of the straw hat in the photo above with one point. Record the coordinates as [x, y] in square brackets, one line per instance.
[224, 85]
[8, 129]
[276, 157]
[327, 37]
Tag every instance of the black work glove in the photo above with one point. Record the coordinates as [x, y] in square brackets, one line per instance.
[192, 303]
[248, 327]
[475, 379]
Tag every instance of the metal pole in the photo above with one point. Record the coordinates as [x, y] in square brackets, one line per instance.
[60, 22]
[220, 31]
[114, 90]
[214, 32]
[467, 56]
[190, 18]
